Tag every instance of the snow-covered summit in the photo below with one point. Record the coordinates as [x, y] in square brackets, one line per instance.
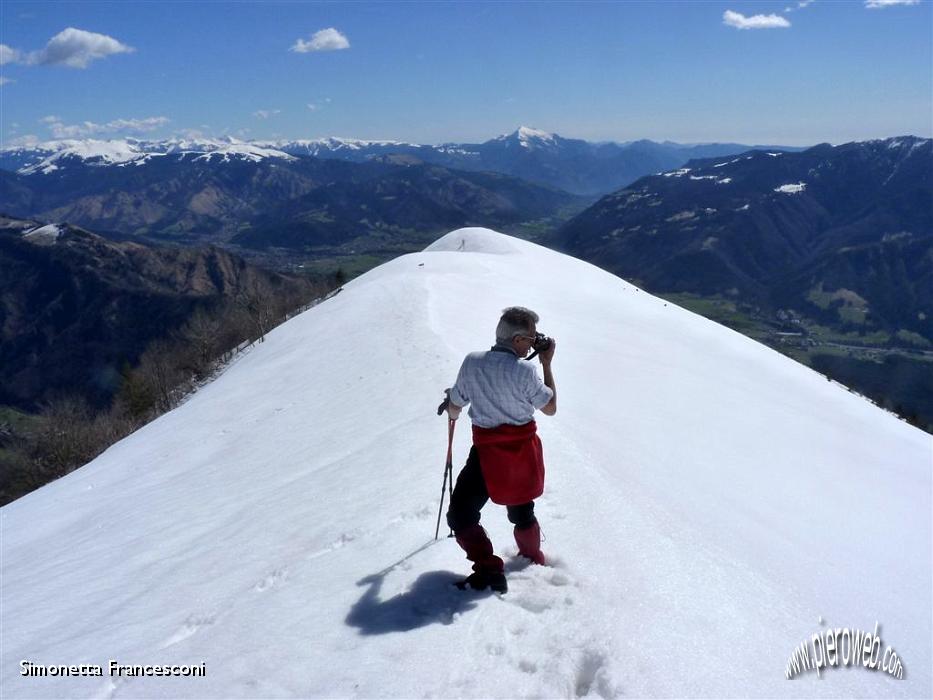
[47, 234]
[477, 240]
[529, 138]
[328, 144]
[95, 151]
[243, 151]
[53, 155]
[709, 504]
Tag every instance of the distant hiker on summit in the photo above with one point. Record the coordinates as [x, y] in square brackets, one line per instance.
[506, 462]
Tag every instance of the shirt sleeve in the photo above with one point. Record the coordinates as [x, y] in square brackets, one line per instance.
[458, 393]
[539, 394]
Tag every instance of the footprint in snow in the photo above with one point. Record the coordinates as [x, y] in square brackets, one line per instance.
[274, 579]
[527, 666]
[591, 678]
[345, 539]
[190, 627]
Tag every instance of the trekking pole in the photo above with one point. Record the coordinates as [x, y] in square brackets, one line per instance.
[448, 469]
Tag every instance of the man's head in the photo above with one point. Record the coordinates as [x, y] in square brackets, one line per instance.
[517, 328]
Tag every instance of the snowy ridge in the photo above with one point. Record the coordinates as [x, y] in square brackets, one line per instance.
[243, 151]
[328, 144]
[43, 235]
[702, 489]
[123, 152]
[91, 150]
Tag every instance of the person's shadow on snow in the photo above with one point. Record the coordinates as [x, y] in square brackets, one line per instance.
[433, 598]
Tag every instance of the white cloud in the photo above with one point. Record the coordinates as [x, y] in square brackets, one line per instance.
[266, 113]
[740, 21]
[27, 141]
[8, 55]
[147, 124]
[881, 4]
[60, 130]
[313, 107]
[193, 133]
[4, 80]
[76, 48]
[800, 5]
[325, 40]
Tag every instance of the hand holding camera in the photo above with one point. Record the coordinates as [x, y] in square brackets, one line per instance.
[546, 353]
[543, 346]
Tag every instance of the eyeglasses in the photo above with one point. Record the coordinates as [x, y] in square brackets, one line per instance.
[527, 337]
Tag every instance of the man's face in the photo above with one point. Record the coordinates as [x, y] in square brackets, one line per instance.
[522, 344]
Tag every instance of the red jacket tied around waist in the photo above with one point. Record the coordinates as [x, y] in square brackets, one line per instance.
[512, 462]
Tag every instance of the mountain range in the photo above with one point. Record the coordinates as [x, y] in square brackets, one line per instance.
[76, 307]
[838, 236]
[574, 165]
[261, 197]
[839, 233]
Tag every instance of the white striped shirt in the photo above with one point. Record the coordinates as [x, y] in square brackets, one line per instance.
[500, 388]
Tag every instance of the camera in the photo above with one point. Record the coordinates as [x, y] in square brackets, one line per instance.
[541, 343]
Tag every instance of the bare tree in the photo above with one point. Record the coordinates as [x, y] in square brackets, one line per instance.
[259, 308]
[202, 335]
[159, 368]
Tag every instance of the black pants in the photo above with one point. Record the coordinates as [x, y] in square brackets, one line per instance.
[470, 495]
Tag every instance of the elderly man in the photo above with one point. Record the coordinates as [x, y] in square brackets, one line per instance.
[506, 463]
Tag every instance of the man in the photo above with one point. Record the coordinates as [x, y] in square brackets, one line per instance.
[506, 462]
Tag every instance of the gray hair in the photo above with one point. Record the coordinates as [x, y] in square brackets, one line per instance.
[516, 320]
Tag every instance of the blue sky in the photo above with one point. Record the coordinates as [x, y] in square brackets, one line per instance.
[432, 72]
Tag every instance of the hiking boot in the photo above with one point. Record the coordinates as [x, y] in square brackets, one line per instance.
[529, 543]
[478, 548]
[481, 580]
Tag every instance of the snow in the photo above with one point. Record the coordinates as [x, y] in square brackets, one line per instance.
[528, 137]
[103, 152]
[708, 502]
[124, 152]
[718, 180]
[677, 173]
[43, 235]
[526, 134]
[143, 160]
[243, 151]
[455, 150]
[920, 143]
[793, 188]
[326, 145]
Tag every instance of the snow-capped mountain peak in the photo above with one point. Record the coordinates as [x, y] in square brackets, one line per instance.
[331, 145]
[93, 151]
[243, 151]
[527, 137]
[53, 155]
[528, 134]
